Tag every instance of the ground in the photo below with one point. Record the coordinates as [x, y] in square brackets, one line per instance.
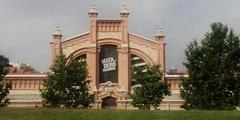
[76, 114]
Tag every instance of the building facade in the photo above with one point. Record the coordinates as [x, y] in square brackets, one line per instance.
[110, 52]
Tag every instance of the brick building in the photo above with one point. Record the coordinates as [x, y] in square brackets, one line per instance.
[110, 52]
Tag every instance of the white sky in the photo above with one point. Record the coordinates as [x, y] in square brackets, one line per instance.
[26, 25]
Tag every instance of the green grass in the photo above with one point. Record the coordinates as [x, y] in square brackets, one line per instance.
[76, 114]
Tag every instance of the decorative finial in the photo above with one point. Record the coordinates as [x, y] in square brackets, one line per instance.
[57, 31]
[124, 10]
[92, 10]
[159, 33]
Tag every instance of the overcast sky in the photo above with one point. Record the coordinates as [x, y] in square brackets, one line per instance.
[26, 25]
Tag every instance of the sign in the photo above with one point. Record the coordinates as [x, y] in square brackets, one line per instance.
[109, 64]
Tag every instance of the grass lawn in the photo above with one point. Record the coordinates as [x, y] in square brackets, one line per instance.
[76, 114]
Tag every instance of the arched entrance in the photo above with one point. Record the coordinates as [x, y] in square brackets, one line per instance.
[109, 103]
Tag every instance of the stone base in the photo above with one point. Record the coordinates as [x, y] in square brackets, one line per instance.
[25, 104]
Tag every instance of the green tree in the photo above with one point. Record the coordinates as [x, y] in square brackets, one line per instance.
[214, 71]
[150, 87]
[77, 84]
[67, 84]
[4, 86]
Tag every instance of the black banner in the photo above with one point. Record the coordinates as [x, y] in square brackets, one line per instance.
[108, 64]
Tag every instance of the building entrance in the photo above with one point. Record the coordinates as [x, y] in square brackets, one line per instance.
[109, 103]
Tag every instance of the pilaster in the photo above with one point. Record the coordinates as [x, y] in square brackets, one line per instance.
[92, 65]
[92, 13]
[124, 70]
[124, 63]
[124, 17]
[92, 55]
[55, 44]
[159, 37]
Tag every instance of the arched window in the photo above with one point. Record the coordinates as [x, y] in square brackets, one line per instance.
[82, 58]
[136, 61]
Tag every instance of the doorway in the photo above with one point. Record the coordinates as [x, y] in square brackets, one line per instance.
[109, 103]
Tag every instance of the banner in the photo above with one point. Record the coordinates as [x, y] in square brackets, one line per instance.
[108, 62]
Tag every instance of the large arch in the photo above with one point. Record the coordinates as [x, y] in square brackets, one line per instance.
[77, 53]
[112, 41]
[142, 55]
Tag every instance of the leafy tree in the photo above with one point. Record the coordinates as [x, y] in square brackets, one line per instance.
[150, 87]
[67, 84]
[77, 84]
[4, 87]
[214, 71]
